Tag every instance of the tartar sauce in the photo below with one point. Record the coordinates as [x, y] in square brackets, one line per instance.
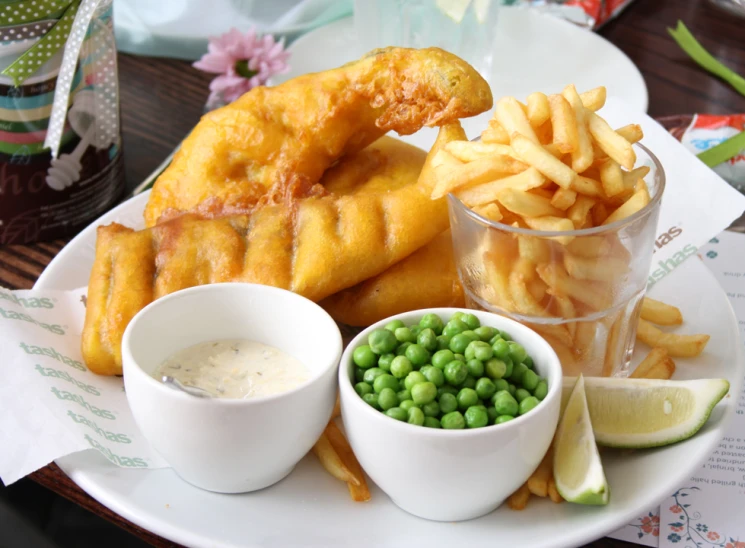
[235, 368]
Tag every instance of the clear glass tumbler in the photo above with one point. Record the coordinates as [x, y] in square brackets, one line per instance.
[466, 29]
[580, 289]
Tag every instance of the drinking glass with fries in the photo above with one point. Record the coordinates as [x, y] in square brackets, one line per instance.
[553, 217]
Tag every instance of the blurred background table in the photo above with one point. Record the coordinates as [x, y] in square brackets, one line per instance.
[162, 99]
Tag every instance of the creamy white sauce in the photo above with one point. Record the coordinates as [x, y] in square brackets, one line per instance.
[235, 368]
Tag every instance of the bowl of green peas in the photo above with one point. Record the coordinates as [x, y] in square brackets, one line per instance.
[449, 411]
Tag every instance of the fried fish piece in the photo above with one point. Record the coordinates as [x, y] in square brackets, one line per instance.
[301, 127]
[315, 246]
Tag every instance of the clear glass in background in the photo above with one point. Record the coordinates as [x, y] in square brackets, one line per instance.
[736, 7]
[580, 289]
[467, 29]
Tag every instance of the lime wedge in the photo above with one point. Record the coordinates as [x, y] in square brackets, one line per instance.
[455, 9]
[577, 468]
[638, 413]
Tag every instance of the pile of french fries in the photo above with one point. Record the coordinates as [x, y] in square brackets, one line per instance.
[553, 164]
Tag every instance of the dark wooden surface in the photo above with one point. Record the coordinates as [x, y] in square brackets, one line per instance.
[162, 99]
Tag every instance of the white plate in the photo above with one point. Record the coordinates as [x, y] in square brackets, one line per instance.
[533, 52]
[311, 509]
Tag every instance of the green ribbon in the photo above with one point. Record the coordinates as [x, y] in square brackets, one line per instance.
[723, 151]
[49, 44]
[28, 11]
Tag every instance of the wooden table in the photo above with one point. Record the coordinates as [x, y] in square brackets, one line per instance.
[162, 99]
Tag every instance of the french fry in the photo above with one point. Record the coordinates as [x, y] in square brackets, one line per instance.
[538, 109]
[631, 206]
[563, 198]
[599, 213]
[590, 247]
[656, 365]
[611, 177]
[677, 346]
[608, 270]
[537, 288]
[489, 191]
[594, 295]
[538, 480]
[564, 124]
[452, 177]
[519, 499]
[496, 269]
[584, 336]
[490, 211]
[632, 133]
[553, 492]
[583, 155]
[543, 192]
[613, 144]
[660, 313]
[524, 301]
[552, 224]
[359, 490]
[577, 213]
[536, 156]
[630, 178]
[565, 309]
[526, 204]
[564, 351]
[443, 158]
[594, 99]
[535, 249]
[511, 117]
[588, 187]
[468, 151]
[612, 352]
[495, 133]
[331, 461]
[545, 134]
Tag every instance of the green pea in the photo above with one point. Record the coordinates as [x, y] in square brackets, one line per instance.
[510, 367]
[476, 417]
[417, 355]
[434, 375]
[372, 374]
[456, 372]
[359, 374]
[529, 362]
[404, 334]
[416, 416]
[442, 357]
[398, 414]
[423, 392]
[505, 404]
[364, 357]
[385, 381]
[453, 327]
[446, 389]
[517, 373]
[407, 404]
[503, 418]
[394, 324]
[471, 335]
[459, 343]
[485, 388]
[541, 391]
[475, 367]
[401, 366]
[466, 398]
[403, 395]
[401, 349]
[427, 340]
[362, 388]
[371, 400]
[505, 336]
[471, 321]
[443, 342]
[491, 413]
[458, 315]
[495, 338]
[460, 357]
[433, 322]
[517, 352]
[453, 421]
[448, 403]
[470, 382]
[501, 349]
[485, 333]
[521, 394]
[415, 330]
[530, 380]
[413, 378]
[387, 398]
[479, 350]
[495, 368]
[528, 404]
[512, 389]
[431, 422]
[431, 409]
[500, 384]
[382, 341]
[384, 362]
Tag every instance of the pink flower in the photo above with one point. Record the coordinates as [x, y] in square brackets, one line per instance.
[243, 62]
[712, 535]
[676, 509]
[651, 525]
[677, 528]
[737, 544]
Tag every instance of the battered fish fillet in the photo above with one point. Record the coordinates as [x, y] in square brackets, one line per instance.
[315, 246]
[425, 279]
[301, 127]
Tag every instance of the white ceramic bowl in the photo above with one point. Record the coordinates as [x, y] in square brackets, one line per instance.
[452, 475]
[231, 445]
